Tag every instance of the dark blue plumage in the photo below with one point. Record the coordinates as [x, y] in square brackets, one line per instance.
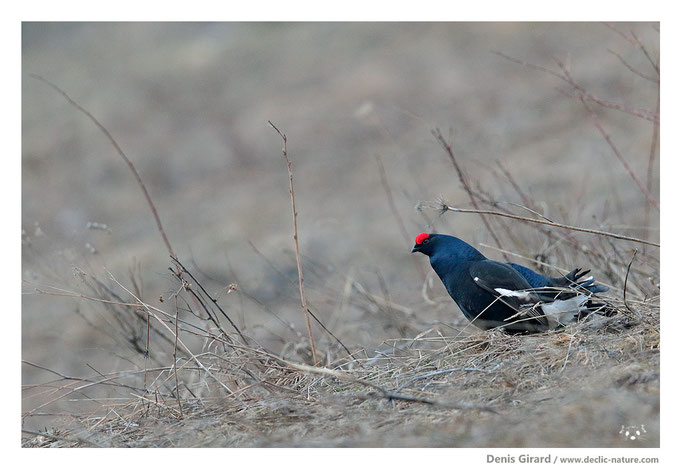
[538, 280]
[493, 294]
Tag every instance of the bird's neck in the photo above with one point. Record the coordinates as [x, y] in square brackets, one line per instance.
[447, 264]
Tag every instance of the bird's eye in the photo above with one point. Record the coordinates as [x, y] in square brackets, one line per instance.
[425, 242]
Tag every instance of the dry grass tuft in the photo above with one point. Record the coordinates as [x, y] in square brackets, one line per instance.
[461, 388]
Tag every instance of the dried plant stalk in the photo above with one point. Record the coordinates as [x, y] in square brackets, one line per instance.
[304, 305]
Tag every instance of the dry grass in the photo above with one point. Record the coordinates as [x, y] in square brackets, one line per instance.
[444, 387]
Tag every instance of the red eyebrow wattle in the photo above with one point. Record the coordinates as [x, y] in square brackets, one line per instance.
[421, 237]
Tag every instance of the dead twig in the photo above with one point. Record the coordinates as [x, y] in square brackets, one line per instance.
[182, 270]
[462, 178]
[445, 208]
[642, 113]
[652, 159]
[298, 254]
[125, 158]
[175, 353]
[391, 201]
[633, 70]
[337, 339]
[582, 96]
[644, 50]
[193, 356]
[308, 305]
[625, 284]
[384, 393]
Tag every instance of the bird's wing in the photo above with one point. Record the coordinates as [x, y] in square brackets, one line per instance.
[533, 278]
[508, 286]
[562, 287]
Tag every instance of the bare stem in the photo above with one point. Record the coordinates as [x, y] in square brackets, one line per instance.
[120, 152]
[642, 113]
[584, 97]
[625, 284]
[395, 211]
[175, 354]
[445, 208]
[650, 168]
[304, 305]
[465, 183]
[391, 201]
[179, 274]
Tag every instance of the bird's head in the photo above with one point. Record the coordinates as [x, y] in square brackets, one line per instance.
[432, 244]
[425, 243]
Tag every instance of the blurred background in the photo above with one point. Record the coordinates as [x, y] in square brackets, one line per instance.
[189, 104]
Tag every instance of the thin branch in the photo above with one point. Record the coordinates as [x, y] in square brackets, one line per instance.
[87, 380]
[79, 389]
[445, 208]
[119, 302]
[182, 270]
[334, 336]
[635, 41]
[462, 178]
[193, 356]
[120, 152]
[607, 137]
[394, 210]
[652, 159]
[528, 201]
[389, 196]
[625, 284]
[583, 95]
[530, 65]
[647, 194]
[298, 254]
[175, 353]
[644, 50]
[521, 206]
[641, 113]
[308, 304]
[632, 69]
[620, 33]
[524, 197]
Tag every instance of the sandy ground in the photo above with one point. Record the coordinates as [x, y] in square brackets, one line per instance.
[189, 104]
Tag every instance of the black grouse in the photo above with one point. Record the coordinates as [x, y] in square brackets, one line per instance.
[493, 294]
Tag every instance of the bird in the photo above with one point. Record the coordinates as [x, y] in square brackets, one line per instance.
[515, 298]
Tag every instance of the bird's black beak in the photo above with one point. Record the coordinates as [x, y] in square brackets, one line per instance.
[415, 248]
